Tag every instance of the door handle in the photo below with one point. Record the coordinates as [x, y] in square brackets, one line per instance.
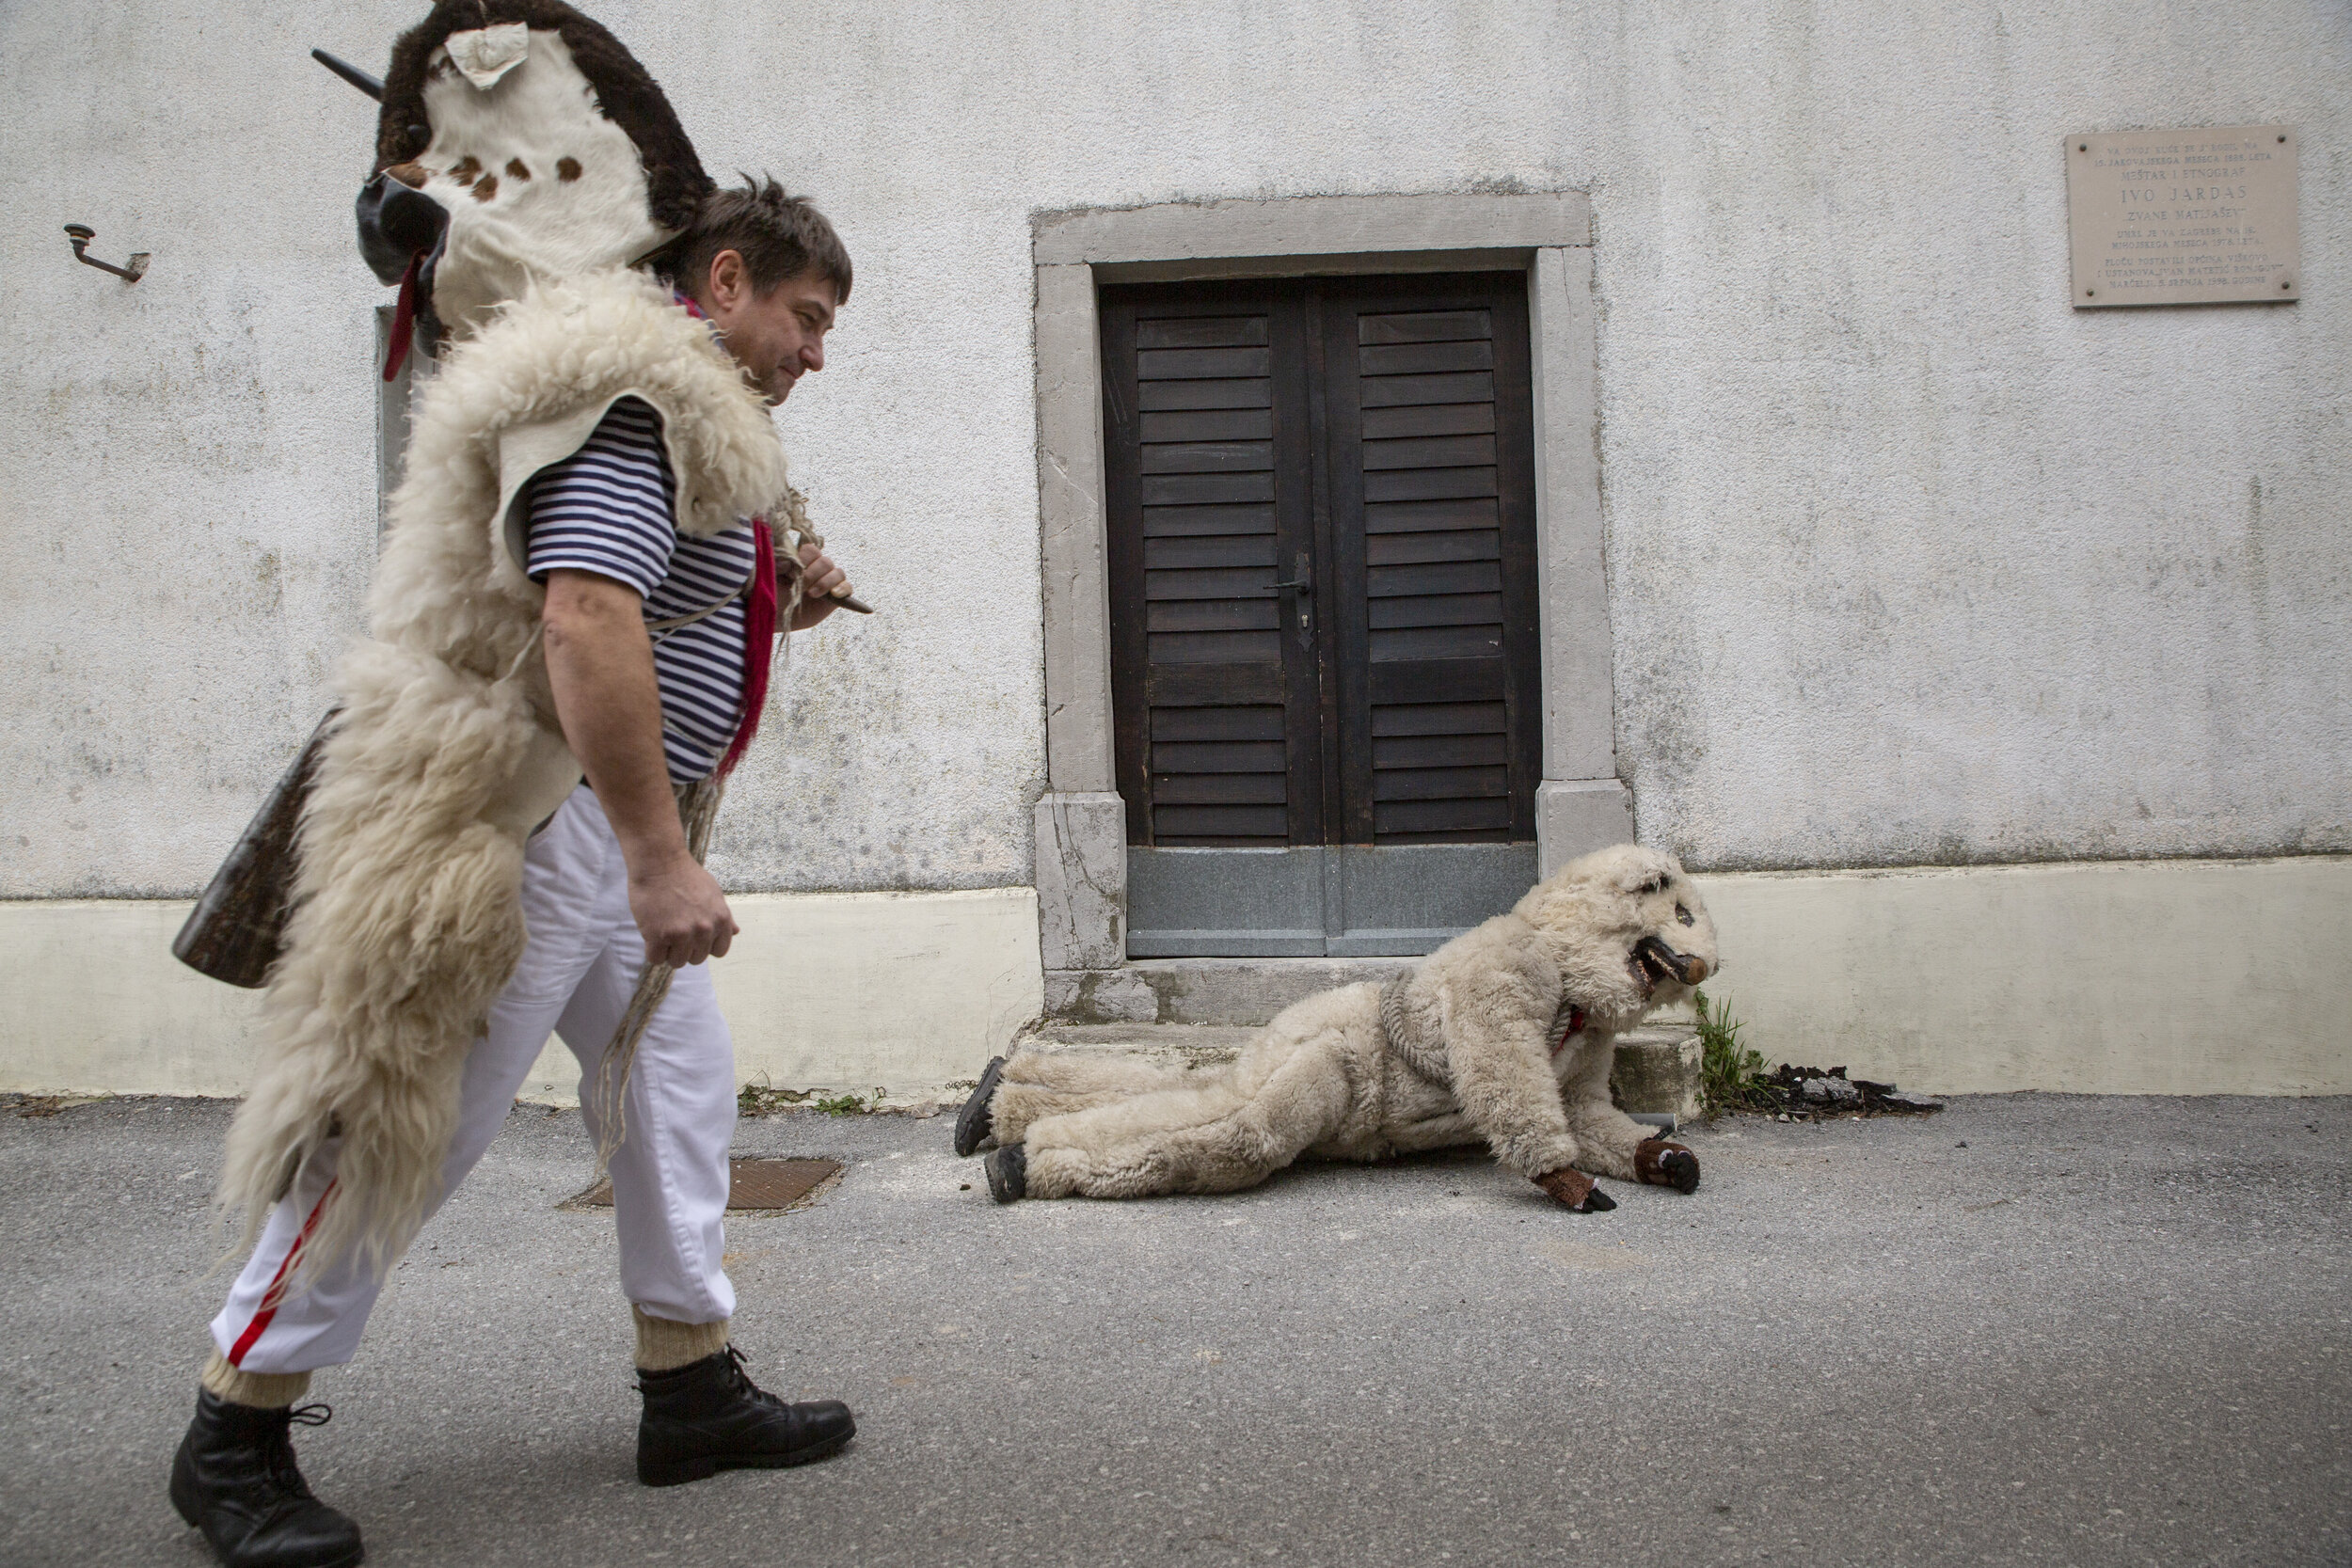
[1298, 592]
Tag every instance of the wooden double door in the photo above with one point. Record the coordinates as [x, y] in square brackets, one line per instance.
[1323, 610]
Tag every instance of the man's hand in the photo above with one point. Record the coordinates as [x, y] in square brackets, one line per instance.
[822, 583]
[681, 914]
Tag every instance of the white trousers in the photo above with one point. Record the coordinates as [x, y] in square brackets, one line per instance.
[578, 967]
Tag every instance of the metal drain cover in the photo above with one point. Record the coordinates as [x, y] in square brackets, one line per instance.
[755, 1184]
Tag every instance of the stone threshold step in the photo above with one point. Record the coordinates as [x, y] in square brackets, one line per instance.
[1179, 1044]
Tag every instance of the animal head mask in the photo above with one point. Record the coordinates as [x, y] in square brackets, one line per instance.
[1627, 926]
[519, 142]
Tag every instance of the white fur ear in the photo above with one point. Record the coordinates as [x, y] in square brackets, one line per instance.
[486, 54]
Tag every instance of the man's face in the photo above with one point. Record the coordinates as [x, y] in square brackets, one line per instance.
[777, 337]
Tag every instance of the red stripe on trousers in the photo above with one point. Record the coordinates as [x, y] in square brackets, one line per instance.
[270, 1297]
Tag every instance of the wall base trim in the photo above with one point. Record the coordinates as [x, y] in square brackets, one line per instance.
[2087, 978]
[2083, 977]
[2124, 977]
[905, 991]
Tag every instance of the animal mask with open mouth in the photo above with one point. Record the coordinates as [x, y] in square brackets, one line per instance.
[1629, 928]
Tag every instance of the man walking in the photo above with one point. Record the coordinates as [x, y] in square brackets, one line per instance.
[655, 660]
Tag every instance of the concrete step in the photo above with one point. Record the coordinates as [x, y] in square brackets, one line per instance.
[1168, 1044]
[1212, 993]
[1656, 1067]
[1229, 993]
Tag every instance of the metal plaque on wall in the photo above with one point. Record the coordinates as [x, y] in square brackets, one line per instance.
[2183, 217]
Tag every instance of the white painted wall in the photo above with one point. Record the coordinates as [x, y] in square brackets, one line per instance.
[1910, 560]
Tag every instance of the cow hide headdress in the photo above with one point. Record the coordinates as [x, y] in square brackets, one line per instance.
[519, 142]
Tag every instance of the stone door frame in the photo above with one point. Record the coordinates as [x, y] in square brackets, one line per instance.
[1081, 822]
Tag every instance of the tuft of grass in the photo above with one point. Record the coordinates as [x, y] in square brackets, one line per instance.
[1731, 1076]
[759, 1100]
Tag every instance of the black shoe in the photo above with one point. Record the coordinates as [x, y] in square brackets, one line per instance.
[1009, 1173]
[234, 1479]
[974, 1123]
[708, 1416]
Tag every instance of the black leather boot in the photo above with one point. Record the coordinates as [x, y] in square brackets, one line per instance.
[977, 1123]
[234, 1479]
[708, 1416]
[1008, 1171]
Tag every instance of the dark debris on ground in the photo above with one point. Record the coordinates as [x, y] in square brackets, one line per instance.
[1791, 1093]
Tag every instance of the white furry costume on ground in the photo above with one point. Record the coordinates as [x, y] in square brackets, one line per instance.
[1505, 1035]
[408, 917]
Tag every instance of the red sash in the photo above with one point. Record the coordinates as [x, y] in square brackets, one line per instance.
[759, 642]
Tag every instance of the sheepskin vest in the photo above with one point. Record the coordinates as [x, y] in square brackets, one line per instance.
[407, 916]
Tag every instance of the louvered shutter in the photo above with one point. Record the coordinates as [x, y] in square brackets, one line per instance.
[1431, 472]
[1214, 694]
[1366, 442]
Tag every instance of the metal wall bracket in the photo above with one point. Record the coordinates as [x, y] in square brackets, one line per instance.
[81, 234]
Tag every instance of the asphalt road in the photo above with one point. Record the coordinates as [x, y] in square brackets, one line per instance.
[2032, 1329]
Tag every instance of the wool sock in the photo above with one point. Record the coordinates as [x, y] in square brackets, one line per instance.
[260, 1390]
[664, 1346]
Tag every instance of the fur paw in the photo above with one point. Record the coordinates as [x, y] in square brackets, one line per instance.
[1009, 1173]
[1579, 1192]
[1666, 1165]
[976, 1122]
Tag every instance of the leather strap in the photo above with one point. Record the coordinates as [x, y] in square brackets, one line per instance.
[1575, 1025]
[668, 624]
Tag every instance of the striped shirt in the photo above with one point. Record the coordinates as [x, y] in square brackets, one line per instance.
[609, 509]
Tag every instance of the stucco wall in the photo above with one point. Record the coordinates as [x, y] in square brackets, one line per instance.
[1910, 562]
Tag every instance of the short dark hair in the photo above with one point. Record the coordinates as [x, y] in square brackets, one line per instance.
[778, 236]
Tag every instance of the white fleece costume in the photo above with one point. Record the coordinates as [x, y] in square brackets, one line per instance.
[1505, 1035]
[669, 1175]
[447, 752]
[550, 158]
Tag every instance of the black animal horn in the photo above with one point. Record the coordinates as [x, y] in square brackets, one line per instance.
[352, 74]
